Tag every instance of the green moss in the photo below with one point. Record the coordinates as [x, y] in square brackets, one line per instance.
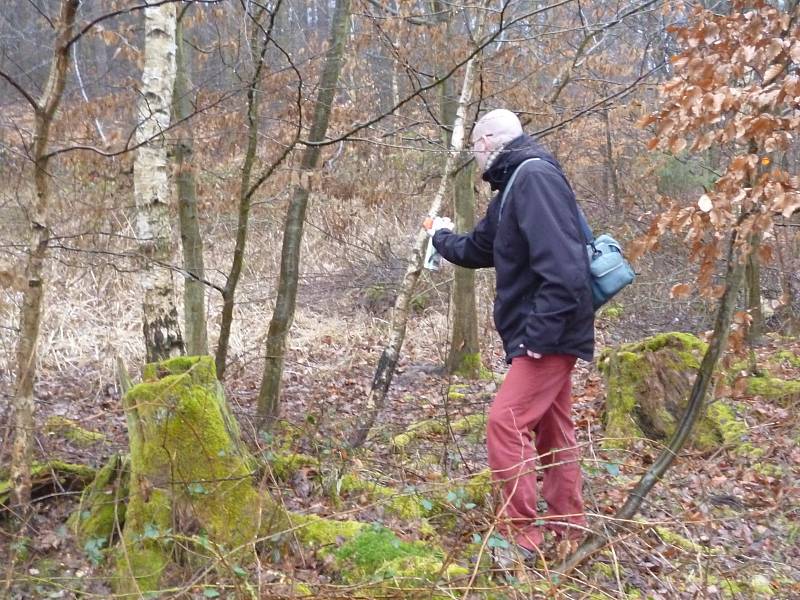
[375, 546]
[318, 532]
[611, 311]
[768, 469]
[284, 465]
[431, 427]
[675, 539]
[70, 430]
[760, 585]
[469, 365]
[773, 388]
[405, 506]
[648, 389]
[44, 474]
[103, 503]
[787, 356]
[189, 471]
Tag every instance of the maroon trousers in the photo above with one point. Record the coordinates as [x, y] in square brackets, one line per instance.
[536, 398]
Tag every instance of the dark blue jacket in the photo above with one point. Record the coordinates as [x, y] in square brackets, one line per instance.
[544, 300]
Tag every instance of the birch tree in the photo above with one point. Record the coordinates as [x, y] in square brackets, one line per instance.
[162, 333]
[30, 317]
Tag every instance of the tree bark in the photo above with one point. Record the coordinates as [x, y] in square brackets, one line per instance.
[753, 292]
[194, 293]
[716, 347]
[387, 363]
[161, 328]
[463, 351]
[464, 354]
[31, 310]
[269, 392]
[258, 49]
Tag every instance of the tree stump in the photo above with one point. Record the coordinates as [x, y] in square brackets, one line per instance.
[648, 385]
[191, 480]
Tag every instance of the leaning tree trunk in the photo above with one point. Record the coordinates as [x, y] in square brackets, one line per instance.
[194, 293]
[162, 333]
[269, 393]
[716, 347]
[387, 363]
[31, 310]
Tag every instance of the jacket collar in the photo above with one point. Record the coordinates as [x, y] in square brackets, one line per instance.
[511, 156]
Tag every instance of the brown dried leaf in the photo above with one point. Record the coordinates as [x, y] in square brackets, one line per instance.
[772, 72]
[680, 290]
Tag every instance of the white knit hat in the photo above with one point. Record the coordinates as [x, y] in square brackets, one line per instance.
[501, 124]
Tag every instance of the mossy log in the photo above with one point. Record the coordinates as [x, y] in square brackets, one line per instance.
[191, 478]
[71, 431]
[46, 476]
[648, 385]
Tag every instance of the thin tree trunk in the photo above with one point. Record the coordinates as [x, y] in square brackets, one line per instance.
[194, 294]
[269, 393]
[31, 310]
[719, 339]
[387, 363]
[258, 49]
[161, 328]
[463, 351]
[612, 186]
[464, 356]
[753, 289]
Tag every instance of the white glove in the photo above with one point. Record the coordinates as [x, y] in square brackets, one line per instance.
[437, 224]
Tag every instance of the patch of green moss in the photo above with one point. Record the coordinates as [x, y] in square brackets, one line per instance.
[768, 469]
[318, 532]
[469, 365]
[457, 392]
[284, 465]
[70, 430]
[431, 427]
[405, 506]
[611, 311]
[103, 503]
[789, 357]
[68, 475]
[672, 538]
[773, 388]
[375, 546]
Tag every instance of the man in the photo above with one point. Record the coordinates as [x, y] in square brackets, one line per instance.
[544, 315]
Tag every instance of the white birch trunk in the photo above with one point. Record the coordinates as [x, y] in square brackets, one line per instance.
[151, 185]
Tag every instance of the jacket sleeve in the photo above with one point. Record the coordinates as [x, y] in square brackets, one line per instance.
[474, 250]
[543, 203]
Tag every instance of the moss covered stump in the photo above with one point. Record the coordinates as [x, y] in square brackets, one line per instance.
[190, 477]
[647, 389]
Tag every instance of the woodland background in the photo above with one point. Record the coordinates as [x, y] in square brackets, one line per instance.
[304, 143]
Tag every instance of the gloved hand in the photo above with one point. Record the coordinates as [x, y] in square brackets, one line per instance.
[434, 225]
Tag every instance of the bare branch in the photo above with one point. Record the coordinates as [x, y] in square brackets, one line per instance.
[31, 100]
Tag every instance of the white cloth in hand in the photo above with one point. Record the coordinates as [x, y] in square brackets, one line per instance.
[440, 223]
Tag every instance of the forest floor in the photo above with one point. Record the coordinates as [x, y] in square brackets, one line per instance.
[720, 525]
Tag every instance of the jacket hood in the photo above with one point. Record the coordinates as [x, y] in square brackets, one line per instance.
[513, 154]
